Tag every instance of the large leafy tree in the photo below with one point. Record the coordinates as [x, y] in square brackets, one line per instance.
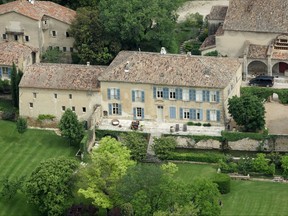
[91, 42]
[49, 186]
[247, 111]
[71, 128]
[109, 163]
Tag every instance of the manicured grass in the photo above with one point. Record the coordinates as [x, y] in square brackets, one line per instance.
[256, 199]
[19, 156]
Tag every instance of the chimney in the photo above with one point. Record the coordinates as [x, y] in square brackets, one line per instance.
[189, 54]
[88, 63]
[163, 51]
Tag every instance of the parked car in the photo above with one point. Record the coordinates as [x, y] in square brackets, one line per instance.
[266, 81]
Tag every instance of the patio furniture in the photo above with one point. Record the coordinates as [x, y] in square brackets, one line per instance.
[177, 127]
[184, 127]
[134, 125]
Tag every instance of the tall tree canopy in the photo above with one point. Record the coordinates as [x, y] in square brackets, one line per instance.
[247, 111]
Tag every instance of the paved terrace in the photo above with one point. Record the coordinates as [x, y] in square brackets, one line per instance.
[161, 127]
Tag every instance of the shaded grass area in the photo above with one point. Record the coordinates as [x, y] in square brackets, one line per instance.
[6, 104]
[19, 156]
[256, 199]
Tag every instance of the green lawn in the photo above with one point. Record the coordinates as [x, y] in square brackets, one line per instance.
[20, 154]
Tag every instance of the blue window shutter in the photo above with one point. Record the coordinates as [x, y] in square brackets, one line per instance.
[118, 94]
[142, 112]
[181, 113]
[192, 95]
[218, 115]
[177, 94]
[165, 93]
[0, 72]
[207, 96]
[119, 109]
[172, 112]
[143, 96]
[108, 93]
[217, 96]
[180, 94]
[191, 113]
[110, 109]
[203, 95]
[208, 115]
[201, 114]
[134, 113]
[154, 92]
[9, 72]
[133, 96]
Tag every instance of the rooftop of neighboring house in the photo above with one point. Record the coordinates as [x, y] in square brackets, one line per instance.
[171, 69]
[257, 16]
[208, 43]
[218, 12]
[257, 51]
[219, 31]
[11, 52]
[38, 9]
[62, 76]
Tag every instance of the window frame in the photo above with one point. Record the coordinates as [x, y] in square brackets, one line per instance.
[115, 108]
[186, 113]
[159, 93]
[185, 95]
[199, 96]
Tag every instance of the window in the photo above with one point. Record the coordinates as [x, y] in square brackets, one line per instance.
[113, 93]
[73, 108]
[172, 93]
[213, 115]
[27, 38]
[67, 34]
[114, 109]
[31, 105]
[16, 37]
[71, 49]
[159, 93]
[34, 95]
[172, 112]
[137, 96]
[139, 112]
[63, 108]
[53, 33]
[198, 95]
[213, 96]
[70, 96]
[186, 94]
[4, 36]
[55, 96]
[5, 71]
[83, 109]
[64, 49]
[186, 114]
[198, 114]
[57, 48]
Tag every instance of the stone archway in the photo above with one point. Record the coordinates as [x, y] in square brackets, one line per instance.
[279, 68]
[256, 68]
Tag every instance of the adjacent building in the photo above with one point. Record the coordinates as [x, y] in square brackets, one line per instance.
[38, 24]
[169, 88]
[53, 88]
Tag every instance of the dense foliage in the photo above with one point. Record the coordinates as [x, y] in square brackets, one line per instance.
[21, 125]
[164, 146]
[223, 182]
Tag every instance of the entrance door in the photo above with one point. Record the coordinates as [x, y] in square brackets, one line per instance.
[282, 67]
[159, 113]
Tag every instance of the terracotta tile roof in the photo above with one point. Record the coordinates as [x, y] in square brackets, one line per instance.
[11, 52]
[257, 16]
[279, 54]
[257, 51]
[219, 31]
[39, 9]
[171, 69]
[208, 43]
[218, 12]
[62, 76]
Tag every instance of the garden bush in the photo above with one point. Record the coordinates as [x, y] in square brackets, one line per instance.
[21, 125]
[235, 136]
[42, 117]
[207, 157]
[194, 124]
[164, 146]
[227, 167]
[9, 115]
[223, 182]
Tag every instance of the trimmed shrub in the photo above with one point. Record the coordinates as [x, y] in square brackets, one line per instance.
[21, 125]
[207, 125]
[235, 136]
[194, 124]
[196, 156]
[164, 146]
[9, 115]
[223, 182]
[227, 167]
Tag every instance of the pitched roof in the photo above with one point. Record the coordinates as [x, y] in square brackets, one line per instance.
[11, 52]
[171, 69]
[209, 42]
[39, 9]
[61, 76]
[257, 51]
[257, 16]
[218, 12]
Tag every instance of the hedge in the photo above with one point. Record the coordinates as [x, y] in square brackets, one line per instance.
[207, 157]
[223, 182]
[235, 136]
[102, 133]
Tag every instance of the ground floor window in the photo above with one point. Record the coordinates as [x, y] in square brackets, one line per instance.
[186, 114]
[138, 112]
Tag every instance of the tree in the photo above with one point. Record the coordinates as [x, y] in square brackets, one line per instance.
[52, 55]
[71, 128]
[21, 125]
[148, 25]
[164, 146]
[261, 164]
[10, 187]
[136, 143]
[91, 42]
[177, 210]
[49, 186]
[109, 163]
[14, 85]
[284, 165]
[248, 111]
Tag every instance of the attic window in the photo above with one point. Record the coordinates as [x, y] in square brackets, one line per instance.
[4, 36]
[67, 34]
